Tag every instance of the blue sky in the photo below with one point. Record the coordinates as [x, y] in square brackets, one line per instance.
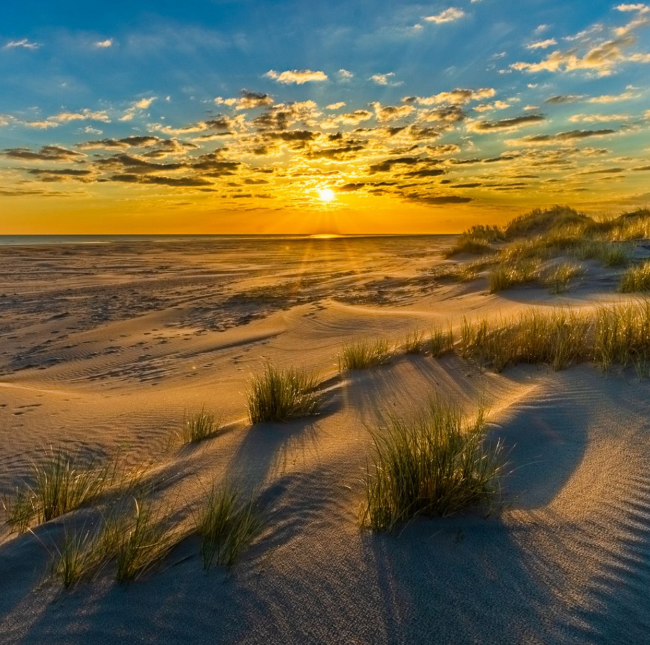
[496, 105]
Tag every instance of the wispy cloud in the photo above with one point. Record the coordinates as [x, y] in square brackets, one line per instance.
[22, 44]
[142, 104]
[448, 15]
[298, 76]
[104, 44]
[542, 44]
[384, 79]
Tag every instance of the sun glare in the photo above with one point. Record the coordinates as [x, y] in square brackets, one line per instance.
[326, 195]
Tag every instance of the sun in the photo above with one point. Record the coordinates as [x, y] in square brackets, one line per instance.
[326, 195]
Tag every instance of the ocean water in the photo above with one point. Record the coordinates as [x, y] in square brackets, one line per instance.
[31, 240]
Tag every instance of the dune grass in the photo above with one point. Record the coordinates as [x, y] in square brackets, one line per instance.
[435, 464]
[622, 336]
[610, 254]
[227, 525]
[414, 343]
[560, 276]
[199, 426]
[556, 338]
[147, 541]
[363, 354]
[63, 481]
[281, 394]
[441, 341]
[471, 245]
[85, 551]
[636, 278]
[509, 275]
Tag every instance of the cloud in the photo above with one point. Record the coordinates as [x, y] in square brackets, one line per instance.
[46, 153]
[438, 200]
[505, 125]
[22, 44]
[600, 58]
[459, 96]
[296, 76]
[487, 107]
[565, 98]
[141, 104]
[448, 15]
[640, 8]
[335, 106]
[446, 114]
[391, 112]
[444, 149]
[598, 118]
[384, 79]
[573, 135]
[104, 44]
[247, 100]
[542, 44]
[613, 98]
[126, 142]
[350, 118]
[175, 182]
[345, 75]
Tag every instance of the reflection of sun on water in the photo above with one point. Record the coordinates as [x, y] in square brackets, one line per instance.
[326, 195]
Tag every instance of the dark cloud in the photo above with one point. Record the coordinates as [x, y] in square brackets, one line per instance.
[426, 172]
[161, 181]
[46, 153]
[438, 200]
[572, 135]
[564, 98]
[506, 124]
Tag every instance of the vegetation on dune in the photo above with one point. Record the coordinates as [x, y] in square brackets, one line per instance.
[561, 275]
[441, 341]
[281, 394]
[62, 482]
[363, 354]
[435, 464]
[636, 278]
[199, 426]
[541, 235]
[227, 525]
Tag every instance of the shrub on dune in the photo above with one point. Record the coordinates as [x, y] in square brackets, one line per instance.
[436, 464]
[364, 354]
[282, 394]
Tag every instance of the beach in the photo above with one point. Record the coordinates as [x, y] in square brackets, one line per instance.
[106, 347]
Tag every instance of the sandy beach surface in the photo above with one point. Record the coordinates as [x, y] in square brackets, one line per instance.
[105, 347]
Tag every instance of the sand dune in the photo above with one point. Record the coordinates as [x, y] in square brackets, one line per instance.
[108, 355]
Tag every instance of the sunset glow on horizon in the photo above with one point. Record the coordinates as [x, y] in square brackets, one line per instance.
[244, 116]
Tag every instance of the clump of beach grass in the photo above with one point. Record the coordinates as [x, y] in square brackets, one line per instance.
[470, 245]
[513, 274]
[561, 275]
[556, 338]
[85, 551]
[441, 341]
[611, 255]
[363, 354]
[622, 336]
[278, 395]
[147, 541]
[62, 482]
[636, 278]
[199, 426]
[435, 464]
[227, 524]
[414, 343]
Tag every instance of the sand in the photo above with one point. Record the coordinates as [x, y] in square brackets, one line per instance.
[105, 347]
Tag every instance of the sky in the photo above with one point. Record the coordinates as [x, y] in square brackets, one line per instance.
[355, 116]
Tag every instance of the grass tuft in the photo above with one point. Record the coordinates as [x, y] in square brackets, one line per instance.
[227, 525]
[199, 426]
[364, 354]
[146, 543]
[513, 274]
[435, 464]
[415, 343]
[636, 278]
[441, 341]
[282, 394]
[561, 275]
